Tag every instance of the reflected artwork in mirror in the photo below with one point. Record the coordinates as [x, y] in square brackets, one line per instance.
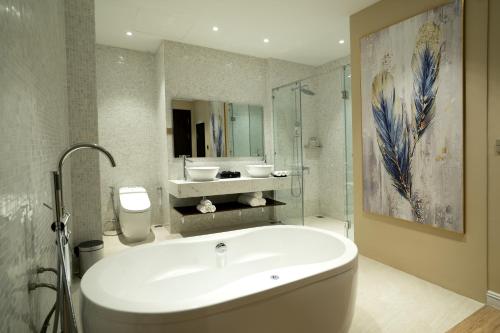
[217, 129]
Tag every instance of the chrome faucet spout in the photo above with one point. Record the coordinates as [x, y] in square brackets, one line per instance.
[67, 153]
[184, 160]
[84, 145]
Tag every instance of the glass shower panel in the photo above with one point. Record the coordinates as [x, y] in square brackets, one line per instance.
[348, 151]
[288, 152]
[240, 130]
[256, 130]
[328, 166]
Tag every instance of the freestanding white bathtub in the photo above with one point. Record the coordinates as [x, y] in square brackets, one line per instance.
[275, 279]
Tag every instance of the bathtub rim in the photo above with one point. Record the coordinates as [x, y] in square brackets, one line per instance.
[168, 317]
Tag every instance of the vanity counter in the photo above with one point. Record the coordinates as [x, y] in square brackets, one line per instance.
[189, 189]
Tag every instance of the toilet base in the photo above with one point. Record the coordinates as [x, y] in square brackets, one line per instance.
[136, 227]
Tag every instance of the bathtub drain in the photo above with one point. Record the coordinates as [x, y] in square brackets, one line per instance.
[275, 277]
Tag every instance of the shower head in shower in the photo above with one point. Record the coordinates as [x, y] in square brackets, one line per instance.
[307, 91]
[304, 90]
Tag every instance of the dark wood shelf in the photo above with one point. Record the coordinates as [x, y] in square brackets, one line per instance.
[225, 207]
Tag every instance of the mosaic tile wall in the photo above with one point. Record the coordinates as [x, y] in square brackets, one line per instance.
[126, 100]
[33, 131]
[187, 71]
[280, 72]
[82, 105]
[202, 73]
[331, 131]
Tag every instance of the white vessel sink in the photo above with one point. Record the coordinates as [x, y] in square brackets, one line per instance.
[202, 174]
[260, 170]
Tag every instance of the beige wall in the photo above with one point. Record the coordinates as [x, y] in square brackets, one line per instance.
[457, 262]
[493, 157]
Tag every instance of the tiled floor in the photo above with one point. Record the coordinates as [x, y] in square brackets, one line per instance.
[388, 300]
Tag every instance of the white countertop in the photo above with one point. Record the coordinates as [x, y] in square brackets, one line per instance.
[186, 188]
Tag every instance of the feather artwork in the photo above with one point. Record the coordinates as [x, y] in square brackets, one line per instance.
[217, 135]
[426, 71]
[393, 134]
[412, 119]
[394, 131]
[425, 65]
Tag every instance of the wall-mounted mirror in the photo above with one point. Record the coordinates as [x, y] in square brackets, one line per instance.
[217, 129]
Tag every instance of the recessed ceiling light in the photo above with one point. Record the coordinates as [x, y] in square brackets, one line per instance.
[129, 33]
[266, 40]
[341, 41]
[214, 28]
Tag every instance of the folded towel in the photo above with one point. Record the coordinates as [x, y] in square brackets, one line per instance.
[206, 202]
[257, 195]
[251, 201]
[203, 209]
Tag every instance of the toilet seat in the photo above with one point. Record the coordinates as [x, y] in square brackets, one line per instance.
[133, 200]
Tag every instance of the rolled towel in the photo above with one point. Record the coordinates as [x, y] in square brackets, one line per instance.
[203, 209]
[251, 201]
[206, 202]
[257, 195]
[212, 209]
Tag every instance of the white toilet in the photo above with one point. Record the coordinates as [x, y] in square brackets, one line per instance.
[135, 213]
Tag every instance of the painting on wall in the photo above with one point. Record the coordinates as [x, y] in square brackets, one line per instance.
[217, 129]
[412, 119]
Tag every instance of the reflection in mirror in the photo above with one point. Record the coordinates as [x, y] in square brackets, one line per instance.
[217, 129]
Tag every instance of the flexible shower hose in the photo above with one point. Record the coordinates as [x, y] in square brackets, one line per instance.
[47, 319]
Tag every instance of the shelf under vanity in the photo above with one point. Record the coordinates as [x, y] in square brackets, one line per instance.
[225, 207]
[190, 189]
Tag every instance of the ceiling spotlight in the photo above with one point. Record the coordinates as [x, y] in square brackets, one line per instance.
[341, 41]
[214, 28]
[266, 40]
[129, 33]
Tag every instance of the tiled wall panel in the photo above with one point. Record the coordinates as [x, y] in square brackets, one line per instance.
[126, 100]
[82, 105]
[33, 131]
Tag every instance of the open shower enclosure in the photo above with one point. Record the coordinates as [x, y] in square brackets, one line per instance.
[313, 140]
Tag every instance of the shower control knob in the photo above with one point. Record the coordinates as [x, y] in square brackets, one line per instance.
[53, 226]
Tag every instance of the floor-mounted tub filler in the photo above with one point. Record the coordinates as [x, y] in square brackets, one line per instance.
[268, 279]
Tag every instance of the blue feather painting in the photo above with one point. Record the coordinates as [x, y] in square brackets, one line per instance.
[412, 119]
[217, 130]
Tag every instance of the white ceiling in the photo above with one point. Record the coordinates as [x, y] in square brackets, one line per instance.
[303, 31]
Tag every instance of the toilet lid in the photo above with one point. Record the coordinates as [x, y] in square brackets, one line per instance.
[135, 202]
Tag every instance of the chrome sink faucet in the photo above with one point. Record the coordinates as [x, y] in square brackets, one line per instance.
[184, 160]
